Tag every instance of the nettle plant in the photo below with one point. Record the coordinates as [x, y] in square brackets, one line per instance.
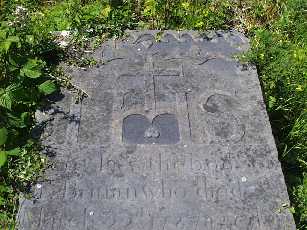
[22, 85]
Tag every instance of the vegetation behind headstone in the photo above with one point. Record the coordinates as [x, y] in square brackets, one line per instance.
[36, 35]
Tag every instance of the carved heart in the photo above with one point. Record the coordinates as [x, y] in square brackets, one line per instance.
[163, 129]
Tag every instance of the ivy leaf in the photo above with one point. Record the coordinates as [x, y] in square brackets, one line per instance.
[32, 69]
[3, 135]
[48, 87]
[3, 158]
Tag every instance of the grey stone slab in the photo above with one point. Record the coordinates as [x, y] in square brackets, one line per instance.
[173, 136]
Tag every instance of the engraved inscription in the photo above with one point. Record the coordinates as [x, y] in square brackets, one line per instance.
[104, 217]
[216, 118]
[163, 129]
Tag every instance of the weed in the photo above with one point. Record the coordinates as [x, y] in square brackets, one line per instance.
[35, 35]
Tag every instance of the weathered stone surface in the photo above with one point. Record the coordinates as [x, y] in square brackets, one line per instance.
[173, 136]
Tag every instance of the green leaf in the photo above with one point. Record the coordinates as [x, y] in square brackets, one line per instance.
[13, 87]
[3, 158]
[3, 34]
[25, 118]
[272, 101]
[6, 101]
[13, 65]
[32, 69]
[3, 135]
[106, 11]
[14, 39]
[5, 46]
[25, 95]
[48, 87]
[30, 39]
[12, 120]
[14, 152]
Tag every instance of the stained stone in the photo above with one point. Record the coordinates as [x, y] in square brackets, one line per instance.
[174, 135]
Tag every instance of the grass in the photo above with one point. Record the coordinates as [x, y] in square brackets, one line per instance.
[29, 55]
[279, 49]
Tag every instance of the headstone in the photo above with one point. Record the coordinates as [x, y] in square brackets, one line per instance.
[174, 135]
